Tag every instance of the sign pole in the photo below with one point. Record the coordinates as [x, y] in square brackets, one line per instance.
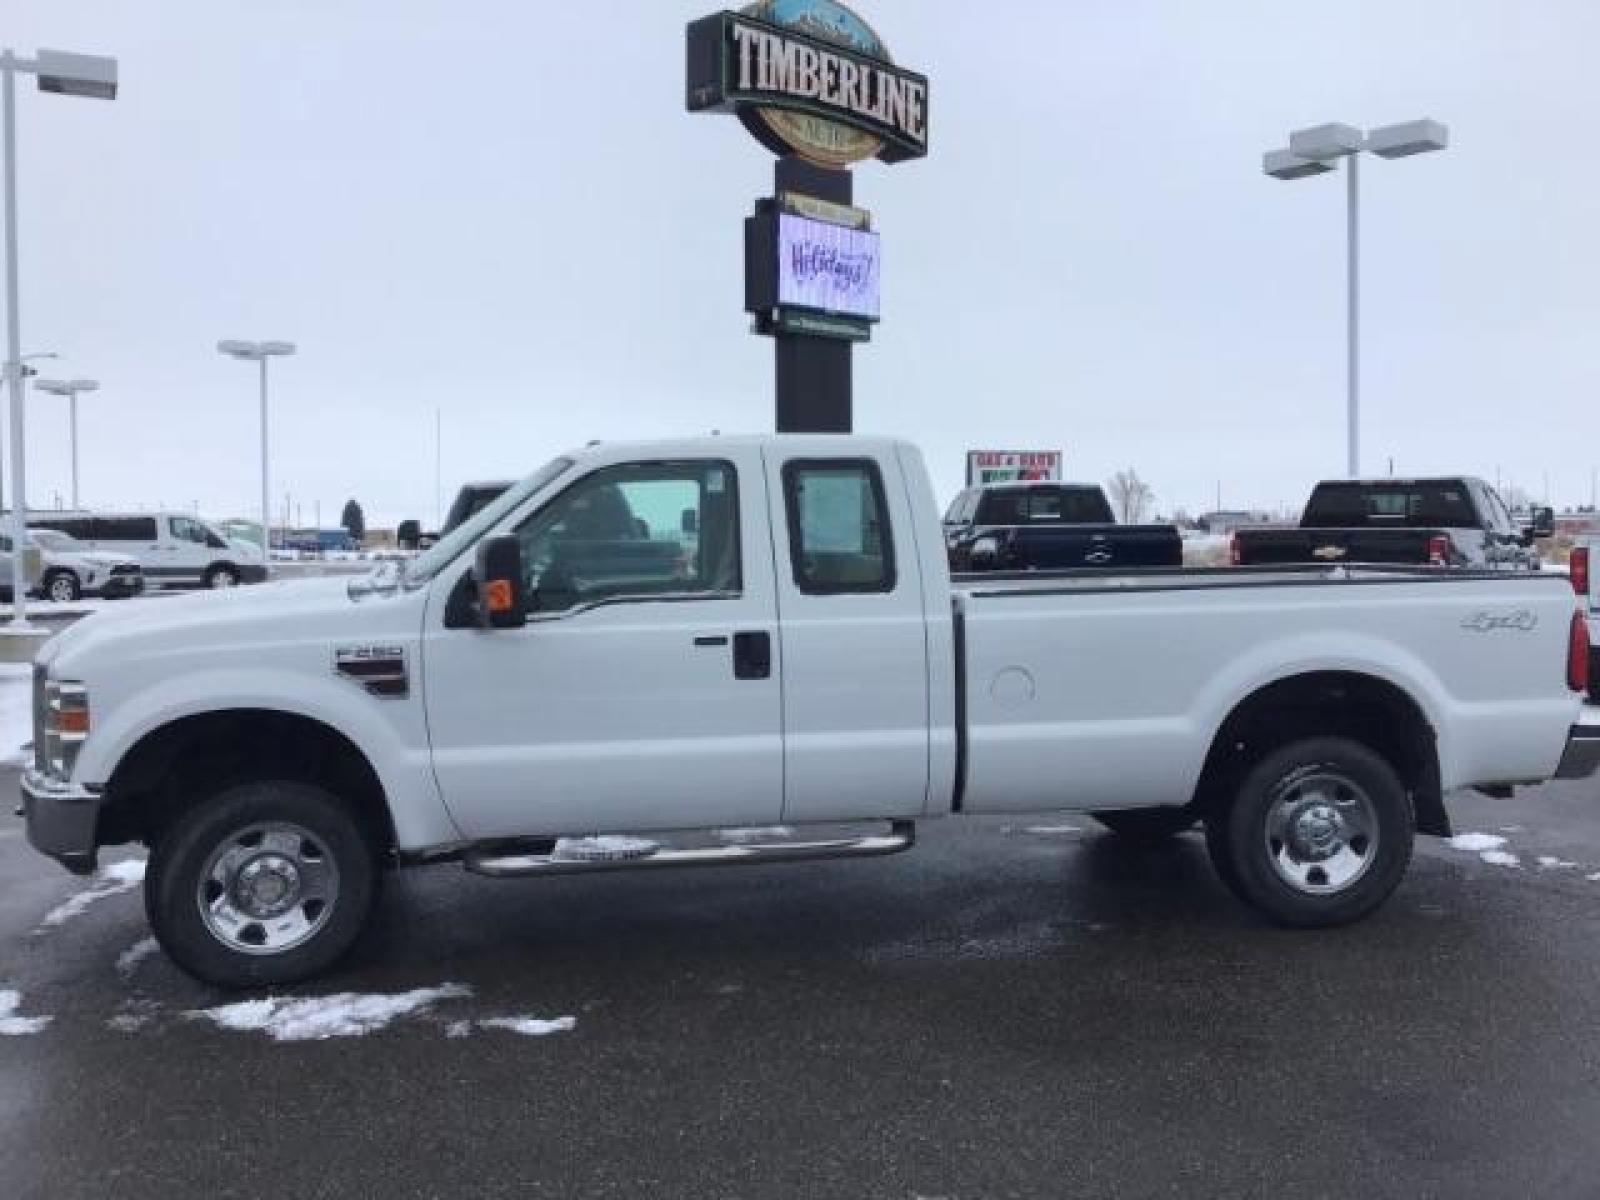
[813, 374]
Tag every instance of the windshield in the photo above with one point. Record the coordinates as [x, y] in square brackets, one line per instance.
[431, 561]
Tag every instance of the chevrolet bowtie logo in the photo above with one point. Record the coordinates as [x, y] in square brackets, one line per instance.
[1329, 552]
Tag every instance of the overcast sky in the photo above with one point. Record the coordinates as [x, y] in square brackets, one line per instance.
[502, 210]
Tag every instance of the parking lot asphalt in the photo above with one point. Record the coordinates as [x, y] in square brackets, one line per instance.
[1016, 1008]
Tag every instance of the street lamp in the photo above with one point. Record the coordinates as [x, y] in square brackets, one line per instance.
[259, 353]
[1318, 150]
[70, 389]
[87, 75]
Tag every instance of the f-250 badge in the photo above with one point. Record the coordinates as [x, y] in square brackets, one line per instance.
[379, 669]
[1519, 620]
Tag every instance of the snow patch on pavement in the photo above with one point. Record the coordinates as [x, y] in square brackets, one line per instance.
[1052, 830]
[754, 834]
[530, 1026]
[1550, 862]
[16, 714]
[128, 961]
[12, 1025]
[1499, 858]
[1477, 843]
[1595, 878]
[111, 881]
[317, 1018]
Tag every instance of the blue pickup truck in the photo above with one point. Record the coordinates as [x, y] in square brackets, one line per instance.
[1031, 526]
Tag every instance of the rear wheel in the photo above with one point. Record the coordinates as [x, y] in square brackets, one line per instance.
[267, 883]
[62, 587]
[1319, 833]
[1147, 824]
[222, 575]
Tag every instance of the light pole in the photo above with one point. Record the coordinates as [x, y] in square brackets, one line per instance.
[88, 75]
[259, 353]
[1319, 149]
[70, 389]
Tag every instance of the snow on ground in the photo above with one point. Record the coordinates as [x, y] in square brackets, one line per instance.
[1499, 858]
[118, 877]
[1052, 830]
[128, 961]
[12, 1025]
[317, 1018]
[1476, 843]
[1551, 863]
[16, 713]
[754, 834]
[530, 1026]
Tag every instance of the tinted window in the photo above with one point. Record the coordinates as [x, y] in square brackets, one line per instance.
[641, 530]
[1054, 505]
[839, 535]
[124, 529]
[1439, 504]
[78, 527]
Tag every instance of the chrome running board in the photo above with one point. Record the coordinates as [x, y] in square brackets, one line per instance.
[901, 836]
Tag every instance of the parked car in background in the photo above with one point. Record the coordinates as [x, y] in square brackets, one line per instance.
[70, 570]
[32, 566]
[472, 498]
[1454, 521]
[1031, 526]
[692, 635]
[172, 549]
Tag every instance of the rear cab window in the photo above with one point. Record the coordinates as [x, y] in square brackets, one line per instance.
[840, 539]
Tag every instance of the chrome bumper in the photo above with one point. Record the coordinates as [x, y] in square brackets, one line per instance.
[1582, 758]
[62, 818]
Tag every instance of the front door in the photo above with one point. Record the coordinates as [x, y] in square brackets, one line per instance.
[644, 691]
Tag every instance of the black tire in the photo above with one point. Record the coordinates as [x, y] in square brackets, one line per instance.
[1364, 785]
[1147, 824]
[222, 575]
[62, 587]
[178, 869]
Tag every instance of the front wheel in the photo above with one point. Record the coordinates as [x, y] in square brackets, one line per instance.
[1318, 834]
[267, 883]
[1147, 824]
[62, 587]
[222, 576]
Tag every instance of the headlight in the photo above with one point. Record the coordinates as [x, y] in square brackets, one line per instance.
[66, 726]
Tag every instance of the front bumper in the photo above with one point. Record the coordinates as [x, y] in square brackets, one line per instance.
[1582, 758]
[62, 818]
[119, 587]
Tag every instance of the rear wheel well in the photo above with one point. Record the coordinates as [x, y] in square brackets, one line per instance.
[1363, 708]
[180, 765]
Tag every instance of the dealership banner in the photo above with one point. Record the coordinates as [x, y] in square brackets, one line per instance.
[1005, 466]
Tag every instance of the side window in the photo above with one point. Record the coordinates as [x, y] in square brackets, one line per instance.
[186, 530]
[839, 535]
[638, 531]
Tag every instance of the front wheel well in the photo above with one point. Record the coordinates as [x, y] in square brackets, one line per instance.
[1349, 704]
[179, 765]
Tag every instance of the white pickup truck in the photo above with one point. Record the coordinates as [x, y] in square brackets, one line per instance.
[692, 635]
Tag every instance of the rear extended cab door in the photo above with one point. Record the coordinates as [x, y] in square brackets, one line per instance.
[868, 663]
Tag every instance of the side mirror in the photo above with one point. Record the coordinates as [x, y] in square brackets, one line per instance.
[498, 576]
[1543, 524]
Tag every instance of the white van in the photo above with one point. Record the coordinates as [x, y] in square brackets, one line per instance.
[173, 549]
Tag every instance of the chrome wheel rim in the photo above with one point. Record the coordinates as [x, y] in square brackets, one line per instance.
[1322, 832]
[268, 888]
[61, 589]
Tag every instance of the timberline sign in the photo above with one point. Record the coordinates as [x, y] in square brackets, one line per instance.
[808, 77]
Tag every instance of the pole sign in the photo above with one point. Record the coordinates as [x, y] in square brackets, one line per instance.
[808, 77]
[1006, 466]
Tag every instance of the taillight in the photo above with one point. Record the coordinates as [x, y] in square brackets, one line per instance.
[1578, 655]
[1233, 550]
[1578, 565]
[1439, 551]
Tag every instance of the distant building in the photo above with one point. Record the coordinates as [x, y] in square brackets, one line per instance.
[1227, 520]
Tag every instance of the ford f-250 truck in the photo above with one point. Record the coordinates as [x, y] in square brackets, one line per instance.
[1032, 526]
[580, 659]
[1450, 522]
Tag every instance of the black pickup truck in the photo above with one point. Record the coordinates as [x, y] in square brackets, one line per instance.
[1049, 526]
[1455, 521]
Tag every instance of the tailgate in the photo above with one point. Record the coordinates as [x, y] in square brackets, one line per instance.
[1381, 546]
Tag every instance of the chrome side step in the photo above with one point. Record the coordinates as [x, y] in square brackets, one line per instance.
[902, 835]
